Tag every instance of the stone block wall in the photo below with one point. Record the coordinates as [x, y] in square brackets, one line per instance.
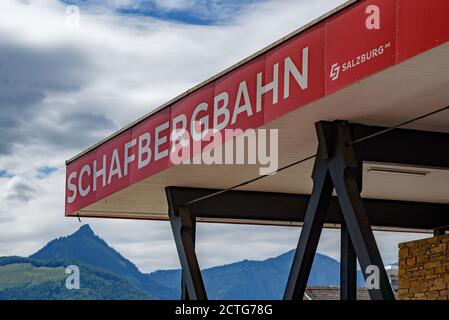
[424, 269]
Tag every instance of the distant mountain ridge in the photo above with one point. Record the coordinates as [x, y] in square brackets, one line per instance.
[105, 266]
[87, 247]
[31, 279]
[261, 280]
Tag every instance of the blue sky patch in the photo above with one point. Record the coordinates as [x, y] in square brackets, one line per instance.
[45, 171]
[5, 174]
[197, 12]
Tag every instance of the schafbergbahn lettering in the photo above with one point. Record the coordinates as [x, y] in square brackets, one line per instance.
[134, 153]
[344, 48]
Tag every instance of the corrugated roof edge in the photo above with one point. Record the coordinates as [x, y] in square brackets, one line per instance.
[218, 75]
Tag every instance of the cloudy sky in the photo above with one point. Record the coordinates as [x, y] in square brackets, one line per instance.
[64, 86]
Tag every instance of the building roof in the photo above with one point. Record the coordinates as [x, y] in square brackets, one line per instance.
[380, 78]
[331, 293]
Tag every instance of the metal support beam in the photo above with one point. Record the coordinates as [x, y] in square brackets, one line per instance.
[278, 208]
[338, 165]
[313, 224]
[337, 158]
[183, 227]
[348, 267]
[345, 170]
[184, 291]
[310, 234]
[403, 146]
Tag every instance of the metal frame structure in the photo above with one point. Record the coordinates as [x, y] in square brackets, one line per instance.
[342, 148]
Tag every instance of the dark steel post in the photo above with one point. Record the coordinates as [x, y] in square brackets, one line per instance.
[313, 223]
[348, 267]
[183, 227]
[184, 291]
[337, 166]
[345, 169]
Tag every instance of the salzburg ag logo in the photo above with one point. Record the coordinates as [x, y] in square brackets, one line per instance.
[372, 22]
[357, 61]
[335, 71]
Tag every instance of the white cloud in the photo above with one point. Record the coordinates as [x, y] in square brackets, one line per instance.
[175, 4]
[79, 86]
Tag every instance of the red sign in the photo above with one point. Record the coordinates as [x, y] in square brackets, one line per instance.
[342, 49]
[359, 42]
[422, 25]
[151, 146]
[79, 178]
[190, 118]
[300, 62]
[240, 88]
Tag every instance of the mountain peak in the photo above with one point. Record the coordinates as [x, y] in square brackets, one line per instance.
[85, 229]
[84, 245]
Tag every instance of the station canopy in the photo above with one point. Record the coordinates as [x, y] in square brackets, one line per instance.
[376, 63]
